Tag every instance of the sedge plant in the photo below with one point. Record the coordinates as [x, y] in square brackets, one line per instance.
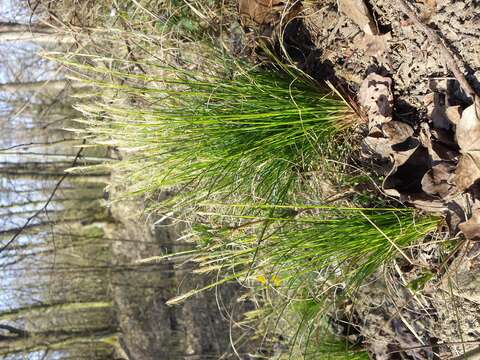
[298, 260]
[300, 327]
[246, 133]
[339, 245]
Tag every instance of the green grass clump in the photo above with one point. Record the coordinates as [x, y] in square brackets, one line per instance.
[325, 346]
[247, 134]
[299, 262]
[334, 245]
[300, 329]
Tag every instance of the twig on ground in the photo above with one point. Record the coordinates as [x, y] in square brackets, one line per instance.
[447, 55]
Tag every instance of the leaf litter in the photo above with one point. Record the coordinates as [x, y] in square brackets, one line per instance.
[432, 163]
[436, 162]
[430, 158]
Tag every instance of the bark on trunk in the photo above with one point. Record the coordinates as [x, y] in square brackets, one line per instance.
[38, 33]
[52, 85]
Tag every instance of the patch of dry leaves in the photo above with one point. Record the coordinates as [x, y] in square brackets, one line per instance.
[434, 166]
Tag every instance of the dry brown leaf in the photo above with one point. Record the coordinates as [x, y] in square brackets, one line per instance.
[439, 143]
[259, 11]
[468, 130]
[468, 139]
[358, 12]
[385, 148]
[376, 98]
[397, 131]
[454, 114]
[267, 12]
[401, 157]
[437, 181]
[379, 146]
[471, 227]
[424, 203]
[402, 145]
[467, 172]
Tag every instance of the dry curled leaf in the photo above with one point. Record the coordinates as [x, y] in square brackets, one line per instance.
[259, 11]
[266, 12]
[358, 12]
[468, 139]
[471, 227]
[425, 203]
[376, 98]
[437, 181]
[468, 130]
[397, 131]
[454, 114]
[387, 138]
[467, 172]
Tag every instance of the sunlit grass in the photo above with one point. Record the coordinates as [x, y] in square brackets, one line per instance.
[299, 330]
[343, 245]
[290, 260]
[248, 133]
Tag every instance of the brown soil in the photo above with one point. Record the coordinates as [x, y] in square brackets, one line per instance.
[409, 57]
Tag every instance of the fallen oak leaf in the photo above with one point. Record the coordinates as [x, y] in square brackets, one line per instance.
[390, 139]
[468, 130]
[425, 203]
[402, 143]
[397, 131]
[467, 172]
[259, 11]
[437, 181]
[376, 98]
[454, 114]
[439, 143]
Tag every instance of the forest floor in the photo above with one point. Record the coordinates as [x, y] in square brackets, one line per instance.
[345, 46]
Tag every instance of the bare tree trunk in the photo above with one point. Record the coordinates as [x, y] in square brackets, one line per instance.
[59, 340]
[36, 310]
[51, 85]
[38, 33]
[16, 27]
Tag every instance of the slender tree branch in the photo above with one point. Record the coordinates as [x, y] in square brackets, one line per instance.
[18, 332]
[27, 145]
[44, 208]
